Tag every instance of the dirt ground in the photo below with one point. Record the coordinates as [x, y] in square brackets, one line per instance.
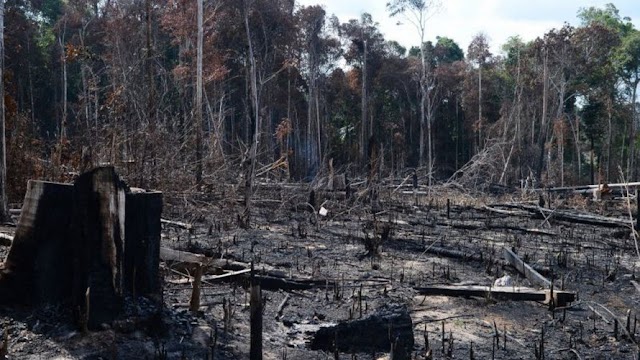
[289, 237]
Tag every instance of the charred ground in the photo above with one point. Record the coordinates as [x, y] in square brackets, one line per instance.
[365, 255]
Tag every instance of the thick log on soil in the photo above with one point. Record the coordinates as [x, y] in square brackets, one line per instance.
[390, 325]
[561, 298]
[72, 246]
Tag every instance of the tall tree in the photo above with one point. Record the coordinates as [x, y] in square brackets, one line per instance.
[418, 12]
[627, 61]
[365, 50]
[198, 109]
[478, 53]
[253, 152]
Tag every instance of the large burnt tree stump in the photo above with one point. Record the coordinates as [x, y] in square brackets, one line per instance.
[86, 245]
[389, 326]
[37, 267]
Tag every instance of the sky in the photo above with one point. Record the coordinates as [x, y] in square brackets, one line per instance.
[461, 20]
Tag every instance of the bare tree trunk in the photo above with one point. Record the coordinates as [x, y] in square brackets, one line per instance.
[479, 107]
[631, 168]
[256, 113]
[543, 120]
[423, 97]
[4, 213]
[363, 132]
[198, 122]
[319, 126]
[609, 135]
[63, 59]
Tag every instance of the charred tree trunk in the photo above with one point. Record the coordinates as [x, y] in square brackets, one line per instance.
[34, 271]
[391, 325]
[70, 246]
[98, 232]
[142, 245]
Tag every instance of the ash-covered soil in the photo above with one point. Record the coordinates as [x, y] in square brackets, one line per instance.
[361, 256]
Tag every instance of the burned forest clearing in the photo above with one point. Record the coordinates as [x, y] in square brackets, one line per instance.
[402, 272]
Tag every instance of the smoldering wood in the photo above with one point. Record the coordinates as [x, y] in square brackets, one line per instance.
[70, 242]
[374, 333]
[561, 298]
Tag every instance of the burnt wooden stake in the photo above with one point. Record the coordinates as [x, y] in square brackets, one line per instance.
[442, 338]
[426, 339]
[256, 320]
[448, 208]
[194, 304]
[505, 337]
[542, 344]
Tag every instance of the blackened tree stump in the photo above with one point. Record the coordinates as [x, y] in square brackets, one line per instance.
[36, 269]
[391, 325]
[86, 245]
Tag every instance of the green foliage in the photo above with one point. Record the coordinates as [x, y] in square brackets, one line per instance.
[447, 51]
[609, 16]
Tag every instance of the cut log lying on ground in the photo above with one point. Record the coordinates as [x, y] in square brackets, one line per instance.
[525, 269]
[561, 298]
[376, 333]
[168, 254]
[483, 226]
[177, 224]
[570, 216]
[453, 253]
[586, 188]
[269, 277]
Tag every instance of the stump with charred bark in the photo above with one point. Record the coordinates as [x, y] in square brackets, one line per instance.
[389, 326]
[84, 245]
[36, 269]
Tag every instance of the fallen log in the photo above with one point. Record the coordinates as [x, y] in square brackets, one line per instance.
[168, 254]
[525, 269]
[464, 255]
[177, 224]
[584, 188]
[269, 278]
[561, 298]
[389, 326]
[570, 216]
[482, 226]
[209, 278]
